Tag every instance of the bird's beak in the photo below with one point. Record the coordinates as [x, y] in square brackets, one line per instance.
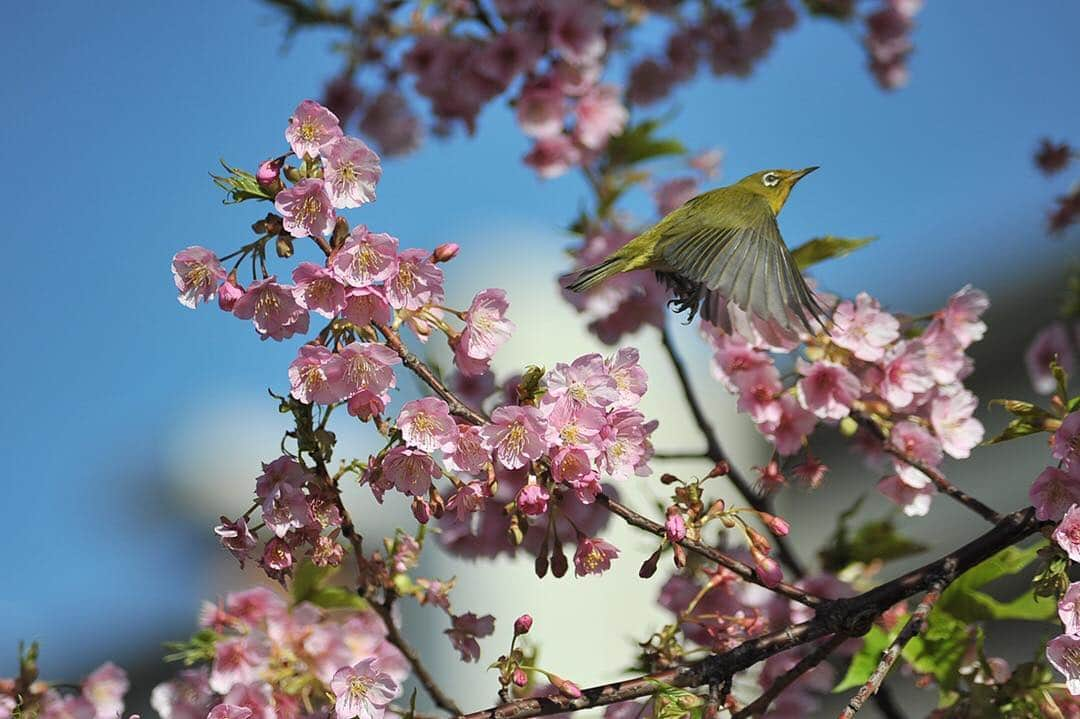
[800, 174]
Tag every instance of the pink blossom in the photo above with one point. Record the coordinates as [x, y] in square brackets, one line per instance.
[675, 527]
[470, 497]
[631, 380]
[316, 375]
[1063, 651]
[1054, 491]
[390, 122]
[915, 501]
[254, 696]
[469, 455]
[569, 425]
[427, 425]
[229, 711]
[707, 162]
[794, 425]
[1067, 534]
[237, 660]
[944, 356]
[576, 31]
[532, 499]
[1065, 442]
[273, 309]
[363, 691]
[416, 282]
[105, 688]
[584, 382]
[673, 194]
[464, 630]
[1069, 609]
[366, 404]
[593, 556]
[570, 465]
[445, 252]
[905, 374]
[311, 128]
[228, 293]
[236, 537]
[255, 605]
[827, 389]
[623, 443]
[961, 315]
[734, 356]
[951, 418]
[282, 472]
[366, 366]
[768, 570]
[486, 326]
[553, 156]
[600, 115]
[364, 305]
[351, 170]
[541, 108]
[410, 470]
[863, 328]
[268, 174]
[305, 209]
[515, 434]
[917, 443]
[318, 290]
[196, 272]
[187, 696]
[277, 559]
[523, 624]
[1052, 342]
[650, 81]
[811, 471]
[365, 258]
[770, 478]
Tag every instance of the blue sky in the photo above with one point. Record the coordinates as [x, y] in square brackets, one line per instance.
[117, 111]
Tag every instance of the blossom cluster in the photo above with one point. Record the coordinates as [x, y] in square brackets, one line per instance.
[98, 696]
[905, 377]
[269, 660]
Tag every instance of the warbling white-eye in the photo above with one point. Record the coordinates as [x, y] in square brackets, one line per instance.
[723, 245]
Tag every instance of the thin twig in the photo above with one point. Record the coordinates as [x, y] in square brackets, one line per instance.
[394, 636]
[760, 705]
[911, 629]
[944, 486]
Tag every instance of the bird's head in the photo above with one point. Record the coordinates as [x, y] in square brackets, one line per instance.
[774, 185]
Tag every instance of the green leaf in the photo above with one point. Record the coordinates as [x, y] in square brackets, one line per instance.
[940, 649]
[1073, 403]
[637, 144]
[874, 540]
[1022, 409]
[337, 598]
[239, 185]
[307, 579]
[963, 600]
[199, 648]
[1019, 427]
[876, 641]
[823, 248]
[671, 702]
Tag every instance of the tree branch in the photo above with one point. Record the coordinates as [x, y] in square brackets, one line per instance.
[782, 682]
[944, 485]
[394, 636]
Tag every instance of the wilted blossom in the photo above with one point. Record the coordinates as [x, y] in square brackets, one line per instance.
[410, 470]
[427, 425]
[311, 128]
[1063, 652]
[317, 289]
[515, 434]
[363, 691]
[593, 556]
[864, 328]
[196, 272]
[464, 630]
[365, 258]
[1054, 491]
[305, 209]
[236, 537]
[273, 309]
[1051, 343]
[415, 282]
[351, 170]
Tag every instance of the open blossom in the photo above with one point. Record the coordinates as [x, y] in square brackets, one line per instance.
[186, 696]
[368, 366]
[236, 537]
[541, 108]
[951, 418]
[237, 660]
[365, 258]
[315, 375]
[915, 501]
[364, 305]
[426, 424]
[1067, 534]
[105, 688]
[584, 382]
[532, 499]
[469, 454]
[553, 156]
[486, 326]
[273, 309]
[305, 209]
[600, 115]
[624, 443]
[1051, 343]
[794, 425]
[363, 691]
[574, 426]
[1065, 442]
[366, 404]
[196, 272]
[464, 630]
[1069, 609]
[864, 328]
[468, 498]
[515, 434]
[593, 556]
[318, 290]
[416, 281]
[827, 389]
[1063, 652]
[311, 127]
[410, 470]
[962, 313]
[631, 380]
[229, 711]
[576, 31]
[917, 443]
[351, 170]
[254, 696]
[945, 357]
[1054, 491]
[734, 356]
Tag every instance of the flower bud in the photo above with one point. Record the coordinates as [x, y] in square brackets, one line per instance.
[648, 567]
[758, 540]
[520, 678]
[228, 293]
[565, 686]
[776, 525]
[421, 510]
[523, 624]
[848, 426]
[268, 174]
[666, 478]
[293, 173]
[675, 526]
[445, 252]
[341, 231]
[559, 564]
[719, 470]
[768, 570]
[540, 566]
[716, 508]
[680, 556]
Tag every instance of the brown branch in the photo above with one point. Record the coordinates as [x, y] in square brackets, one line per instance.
[888, 658]
[944, 485]
[851, 617]
[394, 636]
[716, 454]
[735, 566]
[760, 705]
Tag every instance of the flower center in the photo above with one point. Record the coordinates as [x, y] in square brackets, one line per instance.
[267, 302]
[593, 559]
[309, 210]
[515, 437]
[406, 277]
[198, 276]
[359, 687]
[309, 131]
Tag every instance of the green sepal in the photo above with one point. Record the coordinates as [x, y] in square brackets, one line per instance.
[671, 702]
[239, 185]
[201, 647]
[824, 248]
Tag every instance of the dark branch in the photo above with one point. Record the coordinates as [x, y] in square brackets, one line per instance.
[760, 705]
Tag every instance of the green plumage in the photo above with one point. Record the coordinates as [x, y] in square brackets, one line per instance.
[723, 245]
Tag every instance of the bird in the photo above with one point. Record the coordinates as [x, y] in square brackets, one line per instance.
[723, 246]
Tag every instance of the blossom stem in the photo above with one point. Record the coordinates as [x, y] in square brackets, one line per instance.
[716, 453]
[394, 636]
[782, 682]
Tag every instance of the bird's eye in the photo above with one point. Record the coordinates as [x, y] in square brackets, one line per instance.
[770, 179]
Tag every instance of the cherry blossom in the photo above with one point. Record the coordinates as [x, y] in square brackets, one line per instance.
[515, 434]
[197, 273]
[593, 556]
[365, 258]
[427, 425]
[311, 128]
[273, 309]
[306, 209]
[363, 691]
[351, 170]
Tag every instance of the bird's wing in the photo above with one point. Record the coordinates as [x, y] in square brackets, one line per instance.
[742, 258]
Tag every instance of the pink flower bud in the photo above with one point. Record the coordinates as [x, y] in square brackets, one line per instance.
[675, 526]
[523, 624]
[779, 526]
[421, 510]
[768, 570]
[228, 293]
[520, 678]
[565, 686]
[267, 174]
[445, 252]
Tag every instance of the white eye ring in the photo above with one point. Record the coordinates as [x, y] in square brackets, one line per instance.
[770, 179]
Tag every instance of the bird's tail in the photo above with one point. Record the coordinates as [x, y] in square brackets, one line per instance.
[589, 277]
